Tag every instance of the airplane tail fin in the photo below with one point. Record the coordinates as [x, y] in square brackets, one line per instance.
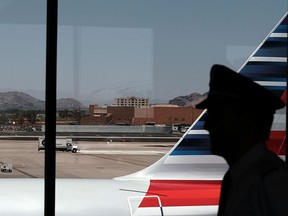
[191, 158]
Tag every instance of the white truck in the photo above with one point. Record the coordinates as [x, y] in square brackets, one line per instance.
[62, 144]
[6, 167]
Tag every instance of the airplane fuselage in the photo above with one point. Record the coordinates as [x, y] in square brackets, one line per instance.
[110, 197]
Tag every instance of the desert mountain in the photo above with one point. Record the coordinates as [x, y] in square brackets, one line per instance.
[23, 101]
[188, 100]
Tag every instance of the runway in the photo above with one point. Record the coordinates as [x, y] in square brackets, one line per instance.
[96, 160]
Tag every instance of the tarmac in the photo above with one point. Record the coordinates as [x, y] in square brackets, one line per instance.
[95, 160]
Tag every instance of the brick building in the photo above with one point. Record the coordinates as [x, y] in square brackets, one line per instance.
[122, 115]
[128, 115]
[97, 116]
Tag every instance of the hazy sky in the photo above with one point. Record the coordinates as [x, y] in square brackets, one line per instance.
[111, 48]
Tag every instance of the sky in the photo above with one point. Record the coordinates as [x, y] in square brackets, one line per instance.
[159, 49]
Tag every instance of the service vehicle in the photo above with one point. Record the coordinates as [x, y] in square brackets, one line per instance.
[62, 144]
[6, 167]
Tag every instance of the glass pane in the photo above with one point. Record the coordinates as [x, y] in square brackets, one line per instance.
[140, 51]
[22, 86]
[129, 75]
[122, 52]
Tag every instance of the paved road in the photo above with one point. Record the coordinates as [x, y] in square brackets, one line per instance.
[95, 159]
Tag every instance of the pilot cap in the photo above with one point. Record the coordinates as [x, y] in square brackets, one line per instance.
[228, 86]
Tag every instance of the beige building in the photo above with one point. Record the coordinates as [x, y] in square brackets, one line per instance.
[132, 101]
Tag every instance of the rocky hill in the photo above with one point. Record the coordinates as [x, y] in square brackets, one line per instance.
[69, 104]
[188, 100]
[23, 101]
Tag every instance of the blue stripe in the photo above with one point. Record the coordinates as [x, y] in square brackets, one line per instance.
[195, 136]
[278, 88]
[281, 28]
[268, 52]
[199, 125]
[272, 79]
[268, 63]
[261, 70]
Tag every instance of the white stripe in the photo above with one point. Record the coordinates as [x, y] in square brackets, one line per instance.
[279, 118]
[119, 152]
[271, 83]
[194, 159]
[279, 122]
[179, 211]
[282, 35]
[268, 59]
[198, 132]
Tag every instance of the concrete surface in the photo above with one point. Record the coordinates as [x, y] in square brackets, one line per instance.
[96, 160]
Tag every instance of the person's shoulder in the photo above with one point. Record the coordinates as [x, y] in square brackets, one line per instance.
[271, 164]
[273, 183]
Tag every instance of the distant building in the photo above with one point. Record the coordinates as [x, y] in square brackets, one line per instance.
[129, 115]
[167, 115]
[132, 101]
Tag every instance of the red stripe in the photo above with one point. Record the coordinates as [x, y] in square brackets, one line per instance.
[183, 193]
[284, 97]
[276, 143]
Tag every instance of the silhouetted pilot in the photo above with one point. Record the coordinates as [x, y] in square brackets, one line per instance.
[240, 115]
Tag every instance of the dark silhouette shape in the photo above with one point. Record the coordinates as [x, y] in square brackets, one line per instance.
[240, 115]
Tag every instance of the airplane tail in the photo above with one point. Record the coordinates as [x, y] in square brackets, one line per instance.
[190, 158]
